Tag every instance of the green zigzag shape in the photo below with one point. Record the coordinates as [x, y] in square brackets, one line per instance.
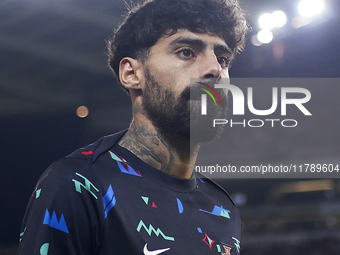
[151, 229]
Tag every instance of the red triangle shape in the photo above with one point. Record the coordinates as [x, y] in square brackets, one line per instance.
[154, 205]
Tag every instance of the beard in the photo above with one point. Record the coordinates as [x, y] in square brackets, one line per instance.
[179, 118]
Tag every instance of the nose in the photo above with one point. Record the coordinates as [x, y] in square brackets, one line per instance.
[210, 67]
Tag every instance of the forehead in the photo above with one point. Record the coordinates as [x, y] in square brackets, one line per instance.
[211, 41]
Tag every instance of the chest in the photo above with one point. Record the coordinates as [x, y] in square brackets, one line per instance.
[148, 218]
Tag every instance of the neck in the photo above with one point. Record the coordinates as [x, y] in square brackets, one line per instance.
[169, 155]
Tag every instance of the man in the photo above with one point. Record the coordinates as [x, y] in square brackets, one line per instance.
[135, 192]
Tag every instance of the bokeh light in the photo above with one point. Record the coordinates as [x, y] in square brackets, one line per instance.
[265, 36]
[309, 8]
[82, 111]
[279, 18]
[255, 41]
[266, 21]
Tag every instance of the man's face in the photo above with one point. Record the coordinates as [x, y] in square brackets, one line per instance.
[172, 62]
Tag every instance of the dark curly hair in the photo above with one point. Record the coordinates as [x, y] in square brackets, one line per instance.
[147, 22]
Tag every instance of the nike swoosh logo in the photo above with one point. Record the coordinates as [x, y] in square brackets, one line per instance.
[155, 252]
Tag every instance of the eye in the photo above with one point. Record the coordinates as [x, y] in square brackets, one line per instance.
[223, 61]
[186, 54]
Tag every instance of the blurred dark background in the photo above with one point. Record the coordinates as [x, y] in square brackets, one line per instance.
[52, 61]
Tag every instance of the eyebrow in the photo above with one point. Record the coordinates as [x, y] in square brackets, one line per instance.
[200, 44]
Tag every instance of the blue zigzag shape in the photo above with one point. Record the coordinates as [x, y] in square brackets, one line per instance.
[109, 200]
[54, 223]
[129, 169]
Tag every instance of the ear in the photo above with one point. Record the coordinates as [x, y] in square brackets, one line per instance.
[130, 73]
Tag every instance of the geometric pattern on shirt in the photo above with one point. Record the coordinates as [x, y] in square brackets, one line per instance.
[126, 169]
[219, 211]
[22, 234]
[87, 153]
[237, 244]
[208, 240]
[37, 192]
[180, 206]
[151, 230]
[224, 249]
[44, 249]
[116, 157]
[86, 186]
[123, 166]
[53, 222]
[109, 201]
[146, 201]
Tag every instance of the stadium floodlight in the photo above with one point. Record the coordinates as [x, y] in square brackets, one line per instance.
[265, 36]
[266, 21]
[269, 20]
[279, 18]
[309, 8]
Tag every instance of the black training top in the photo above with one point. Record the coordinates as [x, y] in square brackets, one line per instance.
[102, 199]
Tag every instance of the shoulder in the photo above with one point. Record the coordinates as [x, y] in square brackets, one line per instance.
[212, 187]
[90, 153]
[78, 166]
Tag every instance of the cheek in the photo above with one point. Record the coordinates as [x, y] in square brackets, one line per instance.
[170, 75]
[168, 78]
[179, 83]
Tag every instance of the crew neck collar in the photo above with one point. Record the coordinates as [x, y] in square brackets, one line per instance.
[147, 171]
